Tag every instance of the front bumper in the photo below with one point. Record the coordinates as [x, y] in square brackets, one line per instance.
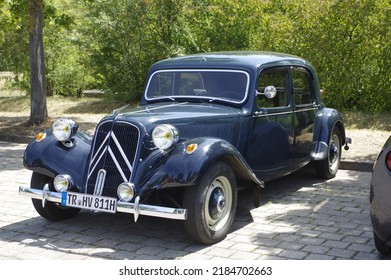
[125, 207]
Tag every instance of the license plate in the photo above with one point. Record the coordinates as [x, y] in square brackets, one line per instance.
[90, 202]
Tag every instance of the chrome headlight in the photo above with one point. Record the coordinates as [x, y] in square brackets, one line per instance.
[64, 129]
[62, 182]
[165, 136]
[125, 191]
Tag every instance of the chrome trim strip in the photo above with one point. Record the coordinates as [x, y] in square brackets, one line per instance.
[117, 164]
[153, 210]
[39, 194]
[136, 208]
[148, 109]
[93, 168]
[100, 182]
[265, 114]
[100, 147]
[45, 192]
[306, 109]
[137, 147]
[121, 151]
[123, 207]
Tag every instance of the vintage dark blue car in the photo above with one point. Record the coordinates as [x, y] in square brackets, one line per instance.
[380, 207]
[207, 125]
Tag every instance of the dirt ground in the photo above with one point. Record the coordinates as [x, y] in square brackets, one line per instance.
[366, 144]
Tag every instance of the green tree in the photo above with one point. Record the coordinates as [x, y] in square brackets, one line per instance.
[14, 42]
[65, 55]
[126, 37]
[349, 51]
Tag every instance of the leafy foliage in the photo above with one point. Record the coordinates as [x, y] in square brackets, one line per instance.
[111, 44]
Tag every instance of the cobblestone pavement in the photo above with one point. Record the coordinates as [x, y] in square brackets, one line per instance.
[300, 217]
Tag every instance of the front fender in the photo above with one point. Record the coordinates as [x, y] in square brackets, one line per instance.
[327, 120]
[182, 169]
[51, 157]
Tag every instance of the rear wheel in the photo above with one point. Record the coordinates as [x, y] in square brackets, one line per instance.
[52, 211]
[328, 167]
[212, 205]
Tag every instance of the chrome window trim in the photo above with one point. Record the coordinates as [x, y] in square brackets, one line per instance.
[305, 109]
[198, 97]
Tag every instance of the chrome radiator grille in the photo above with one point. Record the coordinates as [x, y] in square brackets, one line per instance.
[113, 157]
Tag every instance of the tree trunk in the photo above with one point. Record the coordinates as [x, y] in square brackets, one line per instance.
[38, 113]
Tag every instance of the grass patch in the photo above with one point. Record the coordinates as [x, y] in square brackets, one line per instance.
[60, 105]
[14, 104]
[373, 121]
[15, 113]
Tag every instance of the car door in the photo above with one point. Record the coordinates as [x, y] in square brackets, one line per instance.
[270, 150]
[305, 108]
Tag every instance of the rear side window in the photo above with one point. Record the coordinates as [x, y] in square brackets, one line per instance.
[302, 90]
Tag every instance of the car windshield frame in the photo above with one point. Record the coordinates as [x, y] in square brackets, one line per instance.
[202, 93]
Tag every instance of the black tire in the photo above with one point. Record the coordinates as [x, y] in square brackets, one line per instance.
[211, 206]
[381, 245]
[328, 167]
[52, 211]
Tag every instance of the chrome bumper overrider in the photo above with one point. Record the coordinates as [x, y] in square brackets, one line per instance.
[125, 207]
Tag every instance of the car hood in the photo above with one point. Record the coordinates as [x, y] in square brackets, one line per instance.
[174, 111]
[191, 119]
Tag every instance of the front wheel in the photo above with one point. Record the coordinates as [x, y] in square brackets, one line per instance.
[52, 211]
[212, 205]
[328, 167]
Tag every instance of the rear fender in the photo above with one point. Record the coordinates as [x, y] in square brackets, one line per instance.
[327, 120]
[51, 157]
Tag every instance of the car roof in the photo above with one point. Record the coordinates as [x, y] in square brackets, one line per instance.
[241, 60]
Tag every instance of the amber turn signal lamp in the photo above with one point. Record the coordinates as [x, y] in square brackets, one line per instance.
[191, 148]
[40, 136]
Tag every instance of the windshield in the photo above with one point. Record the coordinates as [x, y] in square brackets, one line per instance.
[227, 85]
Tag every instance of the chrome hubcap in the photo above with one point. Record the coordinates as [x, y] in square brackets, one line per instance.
[334, 153]
[218, 203]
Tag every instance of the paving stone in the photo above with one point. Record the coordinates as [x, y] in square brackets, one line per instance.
[366, 248]
[298, 255]
[331, 236]
[318, 257]
[336, 244]
[316, 249]
[312, 240]
[343, 253]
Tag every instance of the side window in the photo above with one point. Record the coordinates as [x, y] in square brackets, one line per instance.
[273, 77]
[302, 87]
